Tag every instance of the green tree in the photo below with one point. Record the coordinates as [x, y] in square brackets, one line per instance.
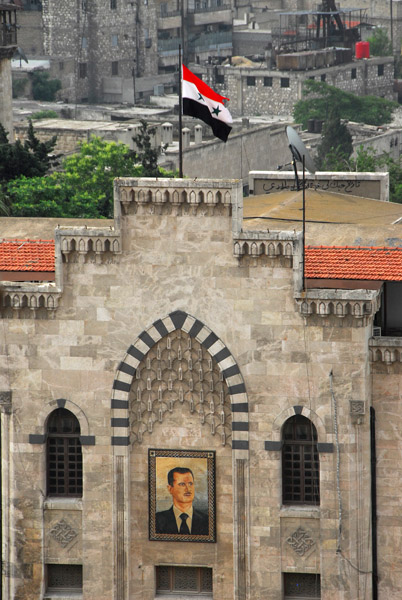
[318, 97]
[33, 158]
[336, 144]
[44, 88]
[146, 154]
[380, 44]
[84, 188]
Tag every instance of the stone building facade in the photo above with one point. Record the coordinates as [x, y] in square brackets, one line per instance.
[183, 330]
[259, 91]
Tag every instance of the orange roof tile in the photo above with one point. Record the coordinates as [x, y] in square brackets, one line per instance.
[27, 255]
[354, 262]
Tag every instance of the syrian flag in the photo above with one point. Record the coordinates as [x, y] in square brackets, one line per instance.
[203, 103]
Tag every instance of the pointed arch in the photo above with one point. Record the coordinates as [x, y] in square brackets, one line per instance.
[217, 350]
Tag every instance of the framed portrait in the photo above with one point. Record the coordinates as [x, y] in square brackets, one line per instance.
[182, 495]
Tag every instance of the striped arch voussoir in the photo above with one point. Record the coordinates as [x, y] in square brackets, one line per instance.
[218, 351]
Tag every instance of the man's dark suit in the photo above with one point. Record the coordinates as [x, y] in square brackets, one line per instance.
[165, 522]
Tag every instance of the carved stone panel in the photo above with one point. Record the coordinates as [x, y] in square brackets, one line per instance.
[178, 373]
[63, 534]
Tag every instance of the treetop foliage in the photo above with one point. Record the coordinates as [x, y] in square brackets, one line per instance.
[380, 44]
[321, 96]
[84, 186]
[336, 143]
[31, 159]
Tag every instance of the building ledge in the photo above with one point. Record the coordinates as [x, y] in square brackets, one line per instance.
[340, 303]
[386, 349]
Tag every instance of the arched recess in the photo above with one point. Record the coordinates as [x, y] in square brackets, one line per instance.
[39, 437]
[217, 350]
[122, 445]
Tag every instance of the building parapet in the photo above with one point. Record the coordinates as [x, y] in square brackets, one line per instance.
[262, 243]
[386, 350]
[32, 297]
[359, 304]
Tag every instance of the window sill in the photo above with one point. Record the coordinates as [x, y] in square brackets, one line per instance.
[309, 512]
[63, 504]
[63, 595]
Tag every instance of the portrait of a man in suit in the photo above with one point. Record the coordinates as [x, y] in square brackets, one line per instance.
[182, 517]
[182, 495]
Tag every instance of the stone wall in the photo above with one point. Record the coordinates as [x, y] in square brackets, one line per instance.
[180, 265]
[254, 91]
[6, 112]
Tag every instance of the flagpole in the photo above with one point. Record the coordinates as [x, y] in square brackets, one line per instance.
[180, 117]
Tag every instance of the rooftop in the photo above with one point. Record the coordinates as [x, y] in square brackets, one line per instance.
[354, 262]
[27, 255]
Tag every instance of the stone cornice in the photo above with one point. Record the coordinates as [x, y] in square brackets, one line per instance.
[186, 196]
[340, 303]
[34, 297]
[387, 350]
[265, 243]
[88, 241]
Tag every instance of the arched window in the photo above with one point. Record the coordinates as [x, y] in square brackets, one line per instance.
[300, 465]
[64, 456]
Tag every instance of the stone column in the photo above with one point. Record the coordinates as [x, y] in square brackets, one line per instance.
[198, 134]
[167, 133]
[6, 111]
[186, 137]
[5, 412]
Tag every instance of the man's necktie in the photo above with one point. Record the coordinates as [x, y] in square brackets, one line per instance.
[184, 527]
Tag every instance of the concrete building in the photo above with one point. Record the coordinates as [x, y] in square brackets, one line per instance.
[8, 45]
[181, 334]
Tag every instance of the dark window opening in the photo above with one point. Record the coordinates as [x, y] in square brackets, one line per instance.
[115, 68]
[184, 580]
[388, 320]
[301, 585]
[285, 82]
[268, 81]
[64, 578]
[250, 80]
[323, 77]
[380, 70]
[353, 74]
[64, 455]
[219, 78]
[82, 70]
[300, 465]
[113, 4]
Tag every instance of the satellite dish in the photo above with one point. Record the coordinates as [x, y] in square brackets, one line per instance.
[19, 53]
[298, 149]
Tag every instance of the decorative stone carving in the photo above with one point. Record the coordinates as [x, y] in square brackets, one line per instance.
[357, 407]
[268, 247]
[63, 533]
[387, 350]
[35, 297]
[6, 402]
[340, 303]
[300, 541]
[88, 244]
[178, 370]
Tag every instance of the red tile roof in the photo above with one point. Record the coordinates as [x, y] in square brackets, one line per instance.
[27, 255]
[354, 262]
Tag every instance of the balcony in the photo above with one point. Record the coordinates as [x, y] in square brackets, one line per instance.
[214, 40]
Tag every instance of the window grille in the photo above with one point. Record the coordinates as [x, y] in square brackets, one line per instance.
[62, 578]
[268, 81]
[184, 580]
[300, 464]
[285, 82]
[302, 586]
[250, 80]
[64, 455]
[113, 4]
